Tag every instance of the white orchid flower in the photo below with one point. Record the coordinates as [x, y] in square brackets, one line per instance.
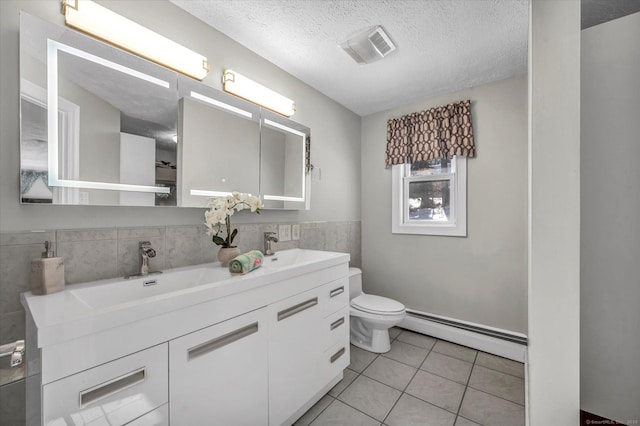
[220, 211]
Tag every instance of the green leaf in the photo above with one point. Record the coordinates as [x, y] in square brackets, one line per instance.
[233, 235]
[218, 240]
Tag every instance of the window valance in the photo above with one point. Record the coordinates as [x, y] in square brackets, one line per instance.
[440, 132]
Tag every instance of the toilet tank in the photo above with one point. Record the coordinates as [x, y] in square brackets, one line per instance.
[355, 282]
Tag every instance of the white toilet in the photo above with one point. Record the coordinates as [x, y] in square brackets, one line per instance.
[371, 316]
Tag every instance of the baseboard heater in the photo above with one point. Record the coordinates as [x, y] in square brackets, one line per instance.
[486, 331]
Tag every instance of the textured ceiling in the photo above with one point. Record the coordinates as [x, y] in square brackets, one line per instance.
[596, 12]
[443, 46]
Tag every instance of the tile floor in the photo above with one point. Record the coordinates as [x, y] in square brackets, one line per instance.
[423, 381]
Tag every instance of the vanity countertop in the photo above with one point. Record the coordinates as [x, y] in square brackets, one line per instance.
[88, 308]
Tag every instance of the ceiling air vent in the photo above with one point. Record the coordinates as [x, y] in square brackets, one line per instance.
[369, 46]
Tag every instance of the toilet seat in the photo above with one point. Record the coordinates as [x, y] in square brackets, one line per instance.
[377, 304]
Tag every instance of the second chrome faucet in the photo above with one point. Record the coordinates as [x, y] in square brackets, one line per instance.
[269, 239]
[145, 252]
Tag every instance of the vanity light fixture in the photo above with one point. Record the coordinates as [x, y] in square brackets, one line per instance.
[241, 86]
[102, 23]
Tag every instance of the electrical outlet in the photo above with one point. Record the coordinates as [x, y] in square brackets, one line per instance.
[284, 232]
[84, 197]
[295, 232]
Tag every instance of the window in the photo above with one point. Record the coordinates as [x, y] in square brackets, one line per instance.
[430, 198]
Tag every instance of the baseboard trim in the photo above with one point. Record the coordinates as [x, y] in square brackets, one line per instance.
[496, 341]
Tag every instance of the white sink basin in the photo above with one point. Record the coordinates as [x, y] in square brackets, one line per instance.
[297, 257]
[150, 286]
[127, 291]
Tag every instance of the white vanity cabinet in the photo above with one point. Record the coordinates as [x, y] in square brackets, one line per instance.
[257, 349]
[218, 375]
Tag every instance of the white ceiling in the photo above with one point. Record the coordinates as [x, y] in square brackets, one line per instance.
[443, 46]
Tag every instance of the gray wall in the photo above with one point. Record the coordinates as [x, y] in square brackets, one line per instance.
[481, 278]
[335, 130]
[610, 229]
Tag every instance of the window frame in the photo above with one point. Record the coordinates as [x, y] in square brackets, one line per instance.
[457, 224]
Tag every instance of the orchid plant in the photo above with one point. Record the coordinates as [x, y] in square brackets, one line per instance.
[218, 217]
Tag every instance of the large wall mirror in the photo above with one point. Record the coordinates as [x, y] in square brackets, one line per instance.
[101, 126]
[109, 137]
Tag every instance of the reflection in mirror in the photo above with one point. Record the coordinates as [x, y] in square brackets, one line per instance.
[219, 144]
[283, 182]
[111, 126]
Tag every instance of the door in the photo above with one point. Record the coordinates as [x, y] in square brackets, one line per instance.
[218, 375]
[296, 342]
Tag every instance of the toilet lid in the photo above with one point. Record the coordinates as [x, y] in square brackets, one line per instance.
[376, 304]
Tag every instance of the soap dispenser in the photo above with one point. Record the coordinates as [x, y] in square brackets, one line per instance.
[47, 273]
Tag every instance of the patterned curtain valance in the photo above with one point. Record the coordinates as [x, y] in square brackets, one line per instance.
[440, 132]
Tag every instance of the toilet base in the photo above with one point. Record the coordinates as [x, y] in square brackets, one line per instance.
[372, 337]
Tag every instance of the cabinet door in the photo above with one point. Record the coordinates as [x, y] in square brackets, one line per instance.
[296, 342]
[218, 375]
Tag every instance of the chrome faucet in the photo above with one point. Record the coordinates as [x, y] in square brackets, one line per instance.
[146, 251]
[269, 239]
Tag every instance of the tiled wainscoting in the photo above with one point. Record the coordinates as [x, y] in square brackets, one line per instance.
[94, 254]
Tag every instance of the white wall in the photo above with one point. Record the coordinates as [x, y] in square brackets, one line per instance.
[610, 228]
[481, 278]
[335, 130]
[553, 384]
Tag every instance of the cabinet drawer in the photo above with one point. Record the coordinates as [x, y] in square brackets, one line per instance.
[116, 392]
[336, 359]
[336, 327]
[336, 294]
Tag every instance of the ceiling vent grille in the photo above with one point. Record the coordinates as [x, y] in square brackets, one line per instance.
[369, 46]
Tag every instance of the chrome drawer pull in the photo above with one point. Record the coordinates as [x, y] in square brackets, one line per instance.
[337, 291]
[297, 308]
[337, 355]
[221, 341]
[337, 323]
[111, 387]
